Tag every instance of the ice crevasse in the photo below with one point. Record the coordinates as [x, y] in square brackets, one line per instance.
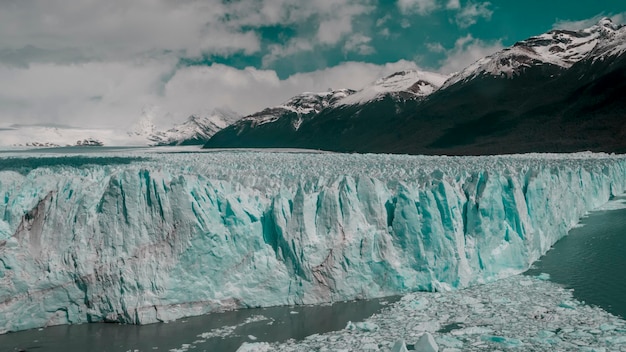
[166, 236]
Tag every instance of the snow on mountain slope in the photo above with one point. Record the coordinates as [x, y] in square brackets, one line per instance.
[417, 83]
[301, 105]
[411, 83]
[196, 130]
[560, 48]
[141, 240]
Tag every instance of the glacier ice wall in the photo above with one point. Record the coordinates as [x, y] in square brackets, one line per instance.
[186, 234]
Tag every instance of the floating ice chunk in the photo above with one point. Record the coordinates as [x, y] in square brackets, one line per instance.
[426, 343]
[428, 326]
[252, 337]
[449, 341]
[362, 326]
[504, 341]
[399, 346]
[568, 304]
[472, 330]
[543, 276]
[255, 347]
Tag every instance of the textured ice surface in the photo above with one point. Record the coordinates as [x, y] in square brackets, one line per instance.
[186, 234]
[519, 312]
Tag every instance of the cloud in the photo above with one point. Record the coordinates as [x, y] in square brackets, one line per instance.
[435, 48]
[359, 44]
[466, 51]
[619, 18]
[471, 12]
[293, 46]
[250, 90]
[59, 31]
[453, 5]
[88, 94]
[121, 29]
[422, 7]
[114, 94]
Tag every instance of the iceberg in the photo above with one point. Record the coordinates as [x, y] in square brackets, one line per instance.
[156, 237]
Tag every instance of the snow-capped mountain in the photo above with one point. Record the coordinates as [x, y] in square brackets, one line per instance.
[295, 109]
[307, 106]
[560, 91]
[407, 84]
[292, 123]
[558, 48]
[196, 130]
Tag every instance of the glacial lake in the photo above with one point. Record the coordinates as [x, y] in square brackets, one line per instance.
[592, 259]
[196, 333]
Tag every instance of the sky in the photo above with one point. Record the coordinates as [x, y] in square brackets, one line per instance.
[108, 64]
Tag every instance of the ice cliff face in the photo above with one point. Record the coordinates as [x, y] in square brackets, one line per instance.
[175, 235]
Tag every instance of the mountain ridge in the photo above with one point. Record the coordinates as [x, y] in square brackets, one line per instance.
[541, 94]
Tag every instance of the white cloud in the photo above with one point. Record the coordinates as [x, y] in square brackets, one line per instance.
[453, 5]
[435, 48]
[359, 44]
[381, 21]
[466, 51]
[293, 46]
[332, 31]
[113, 94]
[250, 90]
[471, 12]
[619, 18]
[422, 7]
[120, 29]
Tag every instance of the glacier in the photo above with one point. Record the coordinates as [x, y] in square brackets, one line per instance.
[158, 236]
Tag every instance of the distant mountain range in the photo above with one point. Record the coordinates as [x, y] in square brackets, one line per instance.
[196, 130]
[561, 91]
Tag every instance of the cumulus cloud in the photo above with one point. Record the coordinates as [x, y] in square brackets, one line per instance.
[453, 5]
[422, 7]
[435, 48]
[471, 12]
[122, 29]
[571, 25]
[359, 44]
[56, 30]
[466, 51]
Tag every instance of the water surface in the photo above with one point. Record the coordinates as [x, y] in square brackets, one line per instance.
[273, 324]
[592, 260]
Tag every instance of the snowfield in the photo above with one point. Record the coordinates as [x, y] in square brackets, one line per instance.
[140, 237]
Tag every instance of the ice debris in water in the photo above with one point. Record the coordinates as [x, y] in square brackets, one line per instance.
[167, 236]
[223, 331]
[519, 312]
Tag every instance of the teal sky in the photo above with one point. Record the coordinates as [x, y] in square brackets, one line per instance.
[427, 38]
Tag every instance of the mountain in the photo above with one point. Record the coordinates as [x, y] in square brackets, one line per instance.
[289, 124]
[196, 130]
[561, 91]
[557, 50]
